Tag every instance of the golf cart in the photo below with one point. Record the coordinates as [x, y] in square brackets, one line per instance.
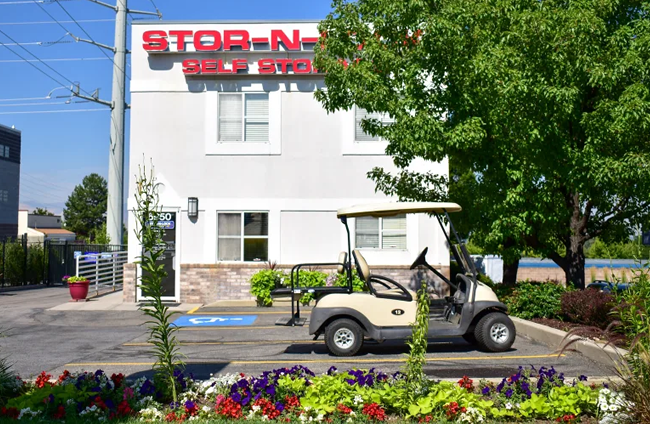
[386, 311]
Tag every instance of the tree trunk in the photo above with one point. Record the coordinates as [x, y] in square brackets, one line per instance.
[575, 263]
[510, 272]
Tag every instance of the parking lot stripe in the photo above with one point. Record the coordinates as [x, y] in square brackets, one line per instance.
[302, 361]
[308, 341]
[193, 310]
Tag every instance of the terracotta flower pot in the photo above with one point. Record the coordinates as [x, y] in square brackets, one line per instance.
[79, 290]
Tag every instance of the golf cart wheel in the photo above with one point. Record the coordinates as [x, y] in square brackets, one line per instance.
[495, 332]
[343, 337]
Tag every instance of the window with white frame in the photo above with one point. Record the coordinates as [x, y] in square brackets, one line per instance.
[4, 151]
[381, 233]
[243, 117]
[4, 196]
[360, 114]
[243, 236]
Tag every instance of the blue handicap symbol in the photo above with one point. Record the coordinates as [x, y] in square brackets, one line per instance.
[214, 320]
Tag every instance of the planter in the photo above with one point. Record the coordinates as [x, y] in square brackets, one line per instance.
[79, 290]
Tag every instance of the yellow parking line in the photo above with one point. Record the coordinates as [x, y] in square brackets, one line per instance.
[146, 344]
[227, 313]
[193, 310]
[328, 361]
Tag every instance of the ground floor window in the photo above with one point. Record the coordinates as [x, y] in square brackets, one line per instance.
[381, 233]
[243, 236]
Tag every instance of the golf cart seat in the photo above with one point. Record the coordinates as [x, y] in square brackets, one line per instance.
[389, 288]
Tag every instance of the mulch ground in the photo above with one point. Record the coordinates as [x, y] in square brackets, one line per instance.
[585, 331]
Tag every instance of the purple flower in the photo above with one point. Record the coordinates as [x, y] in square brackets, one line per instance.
[279, 406]
[351, 381]
[236, 397]
[606, 385]
[515, 378]
[486, 391]
[109, 403]
[582, 378]
[147, 388]
[501, 385]
[332, 370]
[270, 390]
[174, 404]
[529, 393]
[190, 405]
[509, 392]
[96, 389]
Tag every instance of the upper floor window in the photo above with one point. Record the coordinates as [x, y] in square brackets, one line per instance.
[4, 151]
[4, 196]
[382, 232]
[243, 236]
[360, 114]
[243, 117]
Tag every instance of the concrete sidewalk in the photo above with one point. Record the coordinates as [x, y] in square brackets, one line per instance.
[113, 302]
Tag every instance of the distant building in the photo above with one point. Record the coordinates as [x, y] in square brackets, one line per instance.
[9, 181]
[40, 228]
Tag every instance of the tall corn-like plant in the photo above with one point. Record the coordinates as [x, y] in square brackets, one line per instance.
[166, 347]
[416, 379]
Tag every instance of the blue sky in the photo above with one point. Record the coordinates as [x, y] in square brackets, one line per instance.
[60, 148]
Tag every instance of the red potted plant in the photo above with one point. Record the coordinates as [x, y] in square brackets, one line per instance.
[78, 287]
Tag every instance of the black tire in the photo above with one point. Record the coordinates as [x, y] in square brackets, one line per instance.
[340, 331]
[470, 338]
[495, 332]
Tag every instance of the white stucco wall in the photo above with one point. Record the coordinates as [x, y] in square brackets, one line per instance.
[310, 168]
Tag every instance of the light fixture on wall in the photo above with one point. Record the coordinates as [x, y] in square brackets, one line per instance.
[192, 207]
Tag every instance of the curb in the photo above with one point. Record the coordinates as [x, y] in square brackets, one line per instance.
[555, 338]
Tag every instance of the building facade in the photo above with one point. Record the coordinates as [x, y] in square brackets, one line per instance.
[41, 228]
[10, 144]
[226, 115]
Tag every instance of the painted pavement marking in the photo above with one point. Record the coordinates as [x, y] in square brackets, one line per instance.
[192, 321]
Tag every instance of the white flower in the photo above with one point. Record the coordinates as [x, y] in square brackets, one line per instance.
[508, 406]
[28, 412]
[206, 409]
[353, 414]
[302, 418]
[358, 399]
[320, 417]
[256, 408]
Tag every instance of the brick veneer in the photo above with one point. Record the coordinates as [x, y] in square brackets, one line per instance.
[206, 283]
[541, 274]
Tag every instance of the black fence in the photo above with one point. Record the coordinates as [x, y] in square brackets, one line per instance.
[30, 263]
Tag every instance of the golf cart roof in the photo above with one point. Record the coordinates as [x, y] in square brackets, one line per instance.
[395, 208]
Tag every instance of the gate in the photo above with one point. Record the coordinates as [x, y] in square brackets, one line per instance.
[61, 258]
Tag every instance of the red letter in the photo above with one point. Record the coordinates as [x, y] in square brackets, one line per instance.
[283, 63]
[209, 66]
[155, 41]
[228, 40]
[279, 35]
[221, 69]
[238, 64]
[180, 38]
[305, 70]
[266, 66]
[200, 47]
[191, 66]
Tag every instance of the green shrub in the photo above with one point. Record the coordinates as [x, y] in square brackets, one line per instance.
[535, 300]
[263, 282]
[633, 307]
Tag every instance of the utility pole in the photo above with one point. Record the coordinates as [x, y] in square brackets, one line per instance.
[114, 213]
[114, 210]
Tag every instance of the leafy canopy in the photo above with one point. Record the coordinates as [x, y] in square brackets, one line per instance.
[85, 209]
[545, 103]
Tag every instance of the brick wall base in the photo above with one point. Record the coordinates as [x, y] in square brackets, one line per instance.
[207, 283]
[542, 274]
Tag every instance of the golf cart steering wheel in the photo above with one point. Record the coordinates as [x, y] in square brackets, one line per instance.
[421, 259]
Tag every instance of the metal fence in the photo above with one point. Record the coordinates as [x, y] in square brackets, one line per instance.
[23, 262]
[105, 270]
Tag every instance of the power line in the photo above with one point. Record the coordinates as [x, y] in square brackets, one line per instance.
[39, 69]
[88, 35]
[52, 112]
[52, 60]
[44, 182]
[37, 58]
[49, 22]
[40, 103]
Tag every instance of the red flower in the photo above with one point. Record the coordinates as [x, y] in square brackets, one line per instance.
[566, 419]
[171, 417]
[64, 376]
[11, 412]
[123, 409]
[43, 379]
[60, 412]
[426, 419]
[292, 402]
[268, 408]
[452, 409]
[117, 379]
[229, 408]
[374, 412]
[343, 409]
[99, 403]
[466, 383]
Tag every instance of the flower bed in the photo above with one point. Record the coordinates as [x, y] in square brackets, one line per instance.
[297, 395]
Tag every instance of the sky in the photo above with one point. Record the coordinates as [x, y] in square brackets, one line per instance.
[60, 147]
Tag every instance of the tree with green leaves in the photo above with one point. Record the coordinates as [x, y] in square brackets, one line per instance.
[85, 209]
[546, 103]
[42, 211]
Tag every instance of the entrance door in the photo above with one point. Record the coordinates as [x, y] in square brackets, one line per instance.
[169, 227]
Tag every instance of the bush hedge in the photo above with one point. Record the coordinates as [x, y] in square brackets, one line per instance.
[532, 300]
[589, 307]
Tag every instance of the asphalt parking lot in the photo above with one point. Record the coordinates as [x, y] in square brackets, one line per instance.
[116, 341]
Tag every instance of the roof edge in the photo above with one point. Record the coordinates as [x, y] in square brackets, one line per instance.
[4, 127]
